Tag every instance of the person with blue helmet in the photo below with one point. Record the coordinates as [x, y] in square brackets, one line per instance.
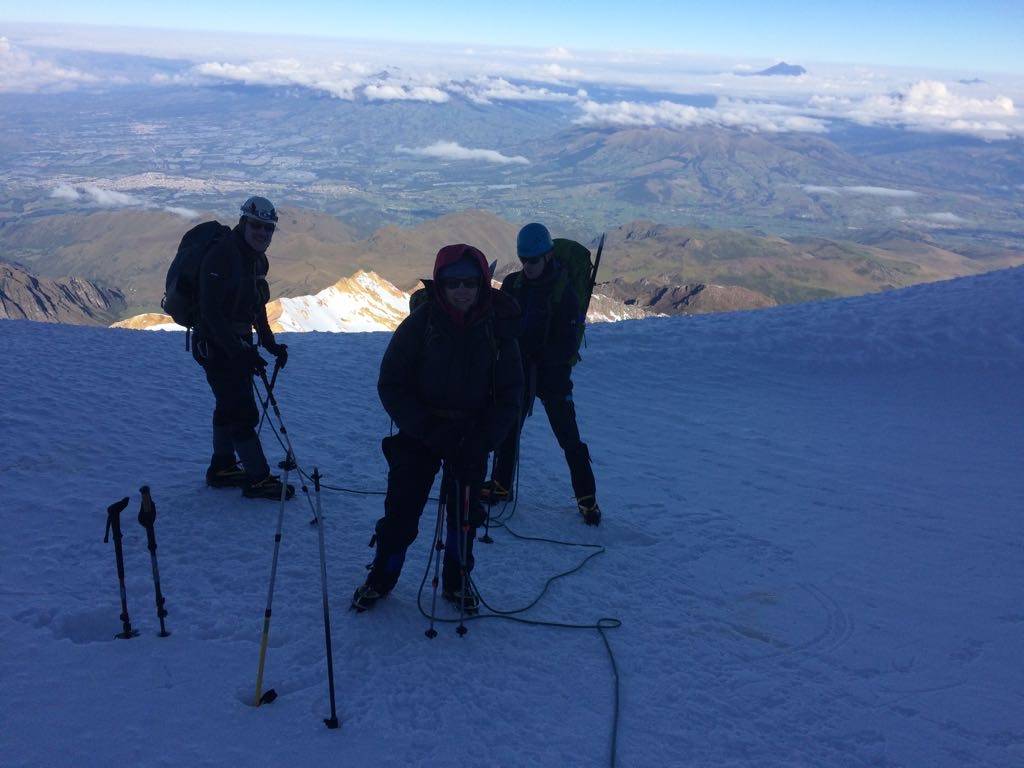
[548, 343]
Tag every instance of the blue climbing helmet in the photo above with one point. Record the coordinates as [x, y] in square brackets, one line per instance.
[534, 240]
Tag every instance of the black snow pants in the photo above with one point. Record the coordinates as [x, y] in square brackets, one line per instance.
[235, 417]
[235, 408]
[412, 467]
[554, 388]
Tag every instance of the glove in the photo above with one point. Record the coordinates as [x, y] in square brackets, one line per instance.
[279, 351]
[444, 440]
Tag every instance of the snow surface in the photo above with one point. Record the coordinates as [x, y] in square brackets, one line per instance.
[813, 522]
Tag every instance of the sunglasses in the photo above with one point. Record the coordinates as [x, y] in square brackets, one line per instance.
[264, 225]
[533, 261]
[451, 283]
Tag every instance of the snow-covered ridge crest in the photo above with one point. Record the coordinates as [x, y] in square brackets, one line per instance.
[362, 303]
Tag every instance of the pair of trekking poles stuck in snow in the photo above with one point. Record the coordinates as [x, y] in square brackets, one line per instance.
[289, 464]
[147, 519]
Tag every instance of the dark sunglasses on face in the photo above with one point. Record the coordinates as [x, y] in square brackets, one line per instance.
[451, 283]
[265, 225]
[533, 261]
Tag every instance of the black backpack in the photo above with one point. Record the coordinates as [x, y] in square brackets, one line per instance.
[181, 289]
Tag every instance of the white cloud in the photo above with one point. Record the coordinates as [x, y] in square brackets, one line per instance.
[485, 90]
[21, 72]
[816, 190]
[928, 105]
[859, 190]
[65, 192]
[751, 116]
[335, 78]
[450, 150]
[897, 211]
[108, 198]
[559, 53]
[881, 191]
[185, 213]
[558, 73]
[389, 92]
[946, 217]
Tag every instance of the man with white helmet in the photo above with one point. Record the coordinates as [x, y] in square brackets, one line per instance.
[233, 295]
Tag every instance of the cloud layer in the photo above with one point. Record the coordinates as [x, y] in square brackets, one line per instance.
[651, 88]
[928, 105]
[732, 114]
[21, 72]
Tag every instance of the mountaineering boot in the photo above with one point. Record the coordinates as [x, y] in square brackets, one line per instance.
[492, 492]
[225, 472]
[267, 488]
[589, 510]
[251, 456]
[365, 597]
[470, 599]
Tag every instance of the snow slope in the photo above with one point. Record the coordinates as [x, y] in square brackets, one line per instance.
[813, 522]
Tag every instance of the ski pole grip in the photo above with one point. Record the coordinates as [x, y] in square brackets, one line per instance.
[147, 517]
[114, 518]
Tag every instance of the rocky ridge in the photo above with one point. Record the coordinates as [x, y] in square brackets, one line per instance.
[24, 296]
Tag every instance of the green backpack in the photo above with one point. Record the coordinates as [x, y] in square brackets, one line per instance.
[579, 274]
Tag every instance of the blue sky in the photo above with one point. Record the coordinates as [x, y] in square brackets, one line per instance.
[984, 35]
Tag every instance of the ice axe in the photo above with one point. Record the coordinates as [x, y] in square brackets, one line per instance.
[147, 519]
[114, 522]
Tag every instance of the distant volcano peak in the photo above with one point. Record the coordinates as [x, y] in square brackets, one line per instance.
[784, 69]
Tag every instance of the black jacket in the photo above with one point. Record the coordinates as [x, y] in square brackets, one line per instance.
[435, 371]
[233, 294]
[547, 329]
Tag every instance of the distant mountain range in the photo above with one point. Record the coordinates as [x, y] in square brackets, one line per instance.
[365, 302]
[662, 297]
[130, 250]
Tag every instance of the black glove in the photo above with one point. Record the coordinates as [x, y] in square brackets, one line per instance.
[252, 358]
[444, 439]
[279, 351]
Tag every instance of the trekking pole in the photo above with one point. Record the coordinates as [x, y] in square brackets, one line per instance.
[277, 412]
[271, 694]
[514, 489]
[462, 528]
[486, 538]
[332, 721]
[114, 521]
[147, 519]
[266, 400]
[438, 546]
